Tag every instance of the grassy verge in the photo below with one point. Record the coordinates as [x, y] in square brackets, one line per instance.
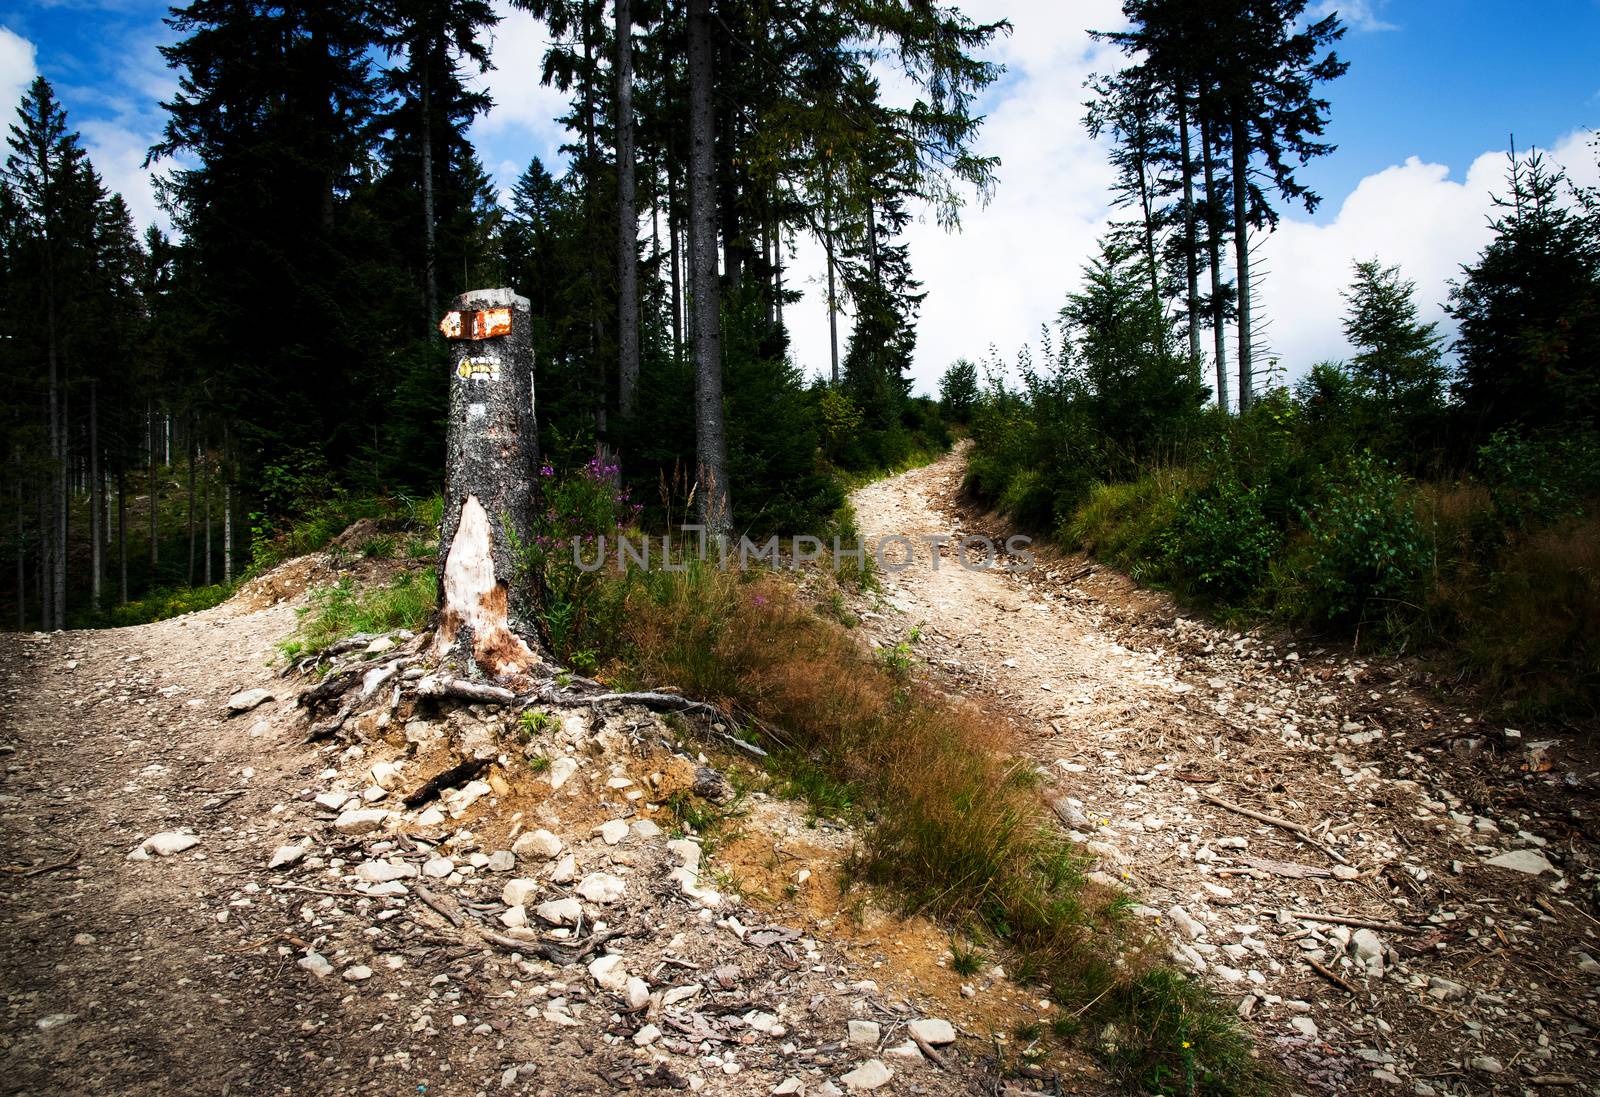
[341, 610]
[951, 820]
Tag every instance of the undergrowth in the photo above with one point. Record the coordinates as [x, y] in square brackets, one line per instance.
[951, 821]
[340, 610]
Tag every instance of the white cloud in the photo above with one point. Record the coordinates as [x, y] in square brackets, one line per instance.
[1013, 262]
[1359, 14]
[524, 106]
[18, 67]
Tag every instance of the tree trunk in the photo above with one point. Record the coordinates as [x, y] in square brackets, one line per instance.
[155, 493]
[1190, 242]
[1241, 246]
[42, 575]
[591, 162]
[777, 270]
[430, 277]
[674, 235]
[58, 473]
[194, 464]
[227, 508]
[827, 243]
[22, 561]
[627, 221]
[715, 508]
[205, 491]
[122, 538]
[492, 453]
[97, 553]
[1219, 304]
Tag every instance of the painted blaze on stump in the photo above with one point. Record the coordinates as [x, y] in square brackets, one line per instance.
[490, 466]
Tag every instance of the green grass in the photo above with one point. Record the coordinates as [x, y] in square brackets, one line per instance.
[950, 820]
[341, 610]
[160, 604]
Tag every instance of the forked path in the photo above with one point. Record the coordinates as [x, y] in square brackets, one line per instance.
[1461, 856]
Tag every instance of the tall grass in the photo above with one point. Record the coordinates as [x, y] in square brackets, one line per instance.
[951, 819]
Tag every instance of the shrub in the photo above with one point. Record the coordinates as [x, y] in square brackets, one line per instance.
[1543, 478]
[1364, 545]
[1221, 542]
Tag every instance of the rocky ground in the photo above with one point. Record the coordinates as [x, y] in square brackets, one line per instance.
[199, 901]
[1399, 894]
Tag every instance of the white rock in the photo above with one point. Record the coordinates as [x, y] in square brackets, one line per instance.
[358, 973]
[317, 964]
[247, 699]
[385, 775]
[1529, 861]
[600, 887]
[688, 882]
[869, 1075]
[789, 1087]
[687, 852]
[363, 820]
[646, 1036]
[561, 770]
[607, 972]
[381, 872]
[516, 892]
[502, 860]
[566, 870]
[560, 912]
[388, 889]
[933, 1030]
[466, 796]
[681, 994]
[168, 842]
[539, 844]
[637, 992]
[862, 1033]
[1186, 924]
[907, 1050]
[613, 831]
[379, 646]
[1305, 1026]
[439, 867]
[430, 816]
[286, 855]
[514, 917]
[646, 828]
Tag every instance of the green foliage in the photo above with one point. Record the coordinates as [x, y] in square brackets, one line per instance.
[162, 603]
[586, 511]
[341, 609]
[1536, 480]
[1222, 540]
[958, 390]
[1364, 545]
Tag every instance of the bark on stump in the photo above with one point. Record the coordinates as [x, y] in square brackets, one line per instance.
[491, 462]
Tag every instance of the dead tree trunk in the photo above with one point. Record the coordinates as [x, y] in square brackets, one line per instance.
[492, 454]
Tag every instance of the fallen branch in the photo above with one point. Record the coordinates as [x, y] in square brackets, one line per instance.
[1290, 869]
[926, 1048]
[450, 778]
[435, 686]
[1349, 920]
[658, 701]
[1300, 829]
[1332, 977]
[556, 953]
[434, 903]
[40, 870]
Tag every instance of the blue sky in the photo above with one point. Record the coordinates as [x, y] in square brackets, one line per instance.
[1422, 122]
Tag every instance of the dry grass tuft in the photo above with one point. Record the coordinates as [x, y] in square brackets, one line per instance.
[953, 822]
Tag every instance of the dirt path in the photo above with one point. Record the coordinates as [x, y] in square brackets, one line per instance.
[1478, 978]
[319, 937]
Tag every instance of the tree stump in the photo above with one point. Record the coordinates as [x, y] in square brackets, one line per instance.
[491, 464]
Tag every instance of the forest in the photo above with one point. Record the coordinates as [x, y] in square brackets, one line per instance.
[185, 407]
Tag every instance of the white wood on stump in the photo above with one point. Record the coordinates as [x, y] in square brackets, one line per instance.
[491, 465]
